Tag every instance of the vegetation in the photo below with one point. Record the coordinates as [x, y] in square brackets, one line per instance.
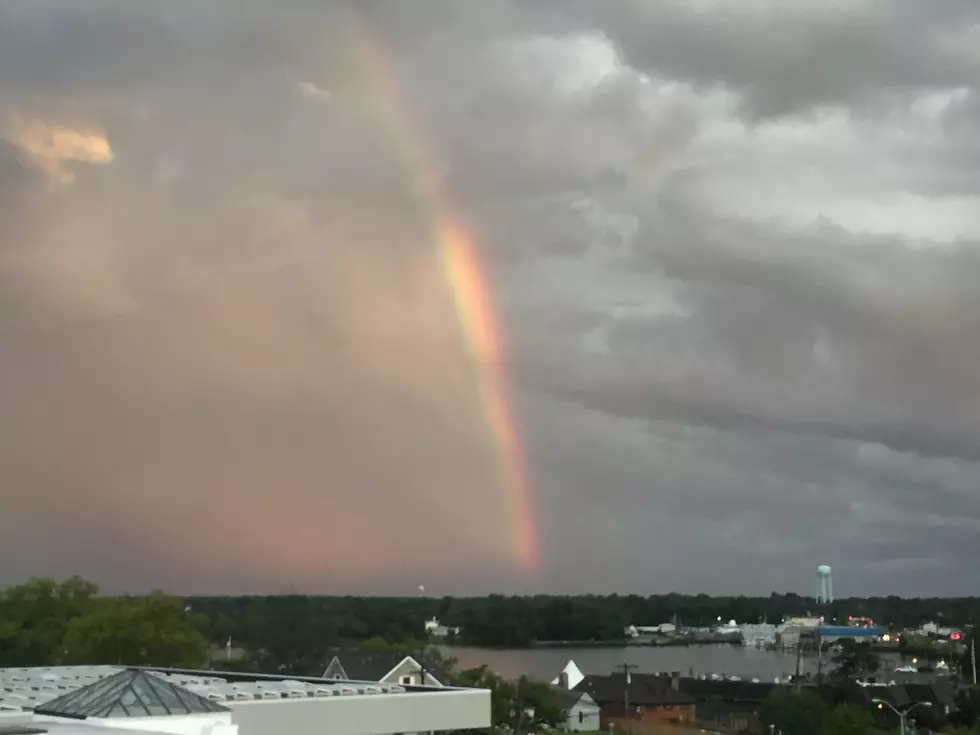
[846, 719]
[855, 660]
[789, 711]
[44, 623]
[499, 621]
[805, 713]
[47, 621]
[525, 705]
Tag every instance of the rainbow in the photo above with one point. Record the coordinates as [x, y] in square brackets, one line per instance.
[464, 275]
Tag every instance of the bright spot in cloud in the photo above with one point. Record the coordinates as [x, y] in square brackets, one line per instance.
[51, 146]
[310, 91]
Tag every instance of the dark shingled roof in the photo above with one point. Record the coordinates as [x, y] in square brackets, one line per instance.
[644, 690]
[729, 691]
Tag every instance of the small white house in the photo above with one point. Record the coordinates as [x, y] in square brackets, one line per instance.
[435, 629]
[580, 711]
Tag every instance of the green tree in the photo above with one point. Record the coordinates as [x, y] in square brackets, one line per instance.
[855, 659]
[845, 719]
[792, 712]
[377, 644]
[154, 630]
[966, 714]
[35, 615]
[526, 704]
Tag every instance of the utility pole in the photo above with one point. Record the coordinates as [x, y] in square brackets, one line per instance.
[973, 658]
[421, 663]
[819, 661]
[520, 706]
[626, 696]
[799, 661]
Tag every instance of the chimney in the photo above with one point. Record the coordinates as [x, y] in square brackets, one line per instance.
[675, 680]
[563, 680]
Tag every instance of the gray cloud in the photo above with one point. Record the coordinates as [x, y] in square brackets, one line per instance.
[732, 249]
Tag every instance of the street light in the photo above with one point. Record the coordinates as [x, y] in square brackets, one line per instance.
[902, 714]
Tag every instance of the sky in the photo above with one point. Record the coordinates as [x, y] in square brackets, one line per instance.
[720, 321]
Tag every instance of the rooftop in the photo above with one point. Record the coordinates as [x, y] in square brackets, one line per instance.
[85, 700]
[41, 689]
[645, 690]
[129, 693]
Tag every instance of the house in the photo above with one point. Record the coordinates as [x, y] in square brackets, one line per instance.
[436, 630]
[581, 712]
[386, 668]
[654, 702]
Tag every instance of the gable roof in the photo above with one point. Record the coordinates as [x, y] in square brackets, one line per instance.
[129, 693]
[361, 666]
[568, 698]
[569, 677]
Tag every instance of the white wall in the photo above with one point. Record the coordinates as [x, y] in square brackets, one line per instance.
[365, 714]
[213, 723]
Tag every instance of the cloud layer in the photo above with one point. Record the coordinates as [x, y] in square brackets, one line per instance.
[733, 248]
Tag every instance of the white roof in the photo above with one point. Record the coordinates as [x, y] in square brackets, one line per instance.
[574, 673]
[23, 689]
[251, 704]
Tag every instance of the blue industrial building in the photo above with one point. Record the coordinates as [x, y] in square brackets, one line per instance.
[834, 632]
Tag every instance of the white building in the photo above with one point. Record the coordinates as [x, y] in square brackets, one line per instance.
[759, 635]
[635, 631]
[435, 629]
[729, 628]
[103, 700]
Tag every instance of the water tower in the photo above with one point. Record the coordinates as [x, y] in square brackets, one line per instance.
[825, 586]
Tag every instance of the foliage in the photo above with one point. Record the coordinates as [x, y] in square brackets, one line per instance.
[297, 632]
[965, 660]
[855, 659]
[845, 719]
[138, 631]
[377, 644]
[44, 622]
[524, 705]
[966, 713]
[502, 621]
[792, 712]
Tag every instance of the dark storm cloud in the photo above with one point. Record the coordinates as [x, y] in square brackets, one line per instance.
[733, 248]
[790, 57]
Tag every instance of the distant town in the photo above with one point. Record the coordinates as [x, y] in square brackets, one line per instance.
[369, 666]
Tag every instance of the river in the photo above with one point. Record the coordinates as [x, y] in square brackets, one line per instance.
[546, 663]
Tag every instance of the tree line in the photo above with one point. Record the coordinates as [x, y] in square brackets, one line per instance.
[45, 621]
[48, 623]
[500, 621]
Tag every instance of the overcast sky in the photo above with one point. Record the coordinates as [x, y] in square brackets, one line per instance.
[733, 249]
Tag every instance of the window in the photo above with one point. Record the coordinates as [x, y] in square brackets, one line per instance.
[581, 717]
[407, 680]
